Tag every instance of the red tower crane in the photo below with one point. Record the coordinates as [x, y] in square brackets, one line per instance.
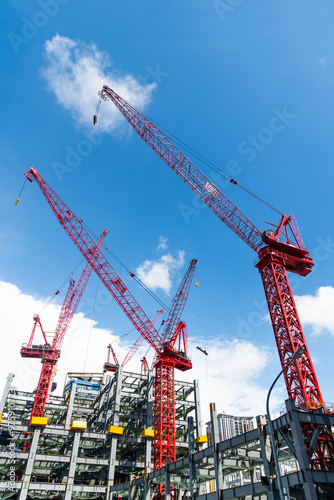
[112, 362]
[144, 366]
[51, 353]
[112, 367]
[172, 353]
[278, 251]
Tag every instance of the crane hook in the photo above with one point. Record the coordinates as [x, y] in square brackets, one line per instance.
[96, 112]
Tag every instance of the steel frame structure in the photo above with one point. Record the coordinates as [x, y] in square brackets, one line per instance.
[278, 251]
[58, 460]
[226, 464]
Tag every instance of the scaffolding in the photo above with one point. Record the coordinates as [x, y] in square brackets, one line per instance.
[98, 444]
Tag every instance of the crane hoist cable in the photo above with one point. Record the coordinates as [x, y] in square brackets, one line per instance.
[18, 198]
[91, 325]
[134, 328]
[200, 329]
[222, 173]
[131, 274]
[66, 280]
[200, 157]
[159, 331]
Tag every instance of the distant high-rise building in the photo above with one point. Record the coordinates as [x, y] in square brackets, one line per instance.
[230, 426]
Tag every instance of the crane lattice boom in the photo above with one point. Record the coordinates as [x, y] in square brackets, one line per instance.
[74, 296]
[219, 203]
[76, 231]
[178, 303]
[277, 251]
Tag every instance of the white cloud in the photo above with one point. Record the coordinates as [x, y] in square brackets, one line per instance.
[76, 71]
[322, 62]
[159, 273]
[162, 243]
[229, 376]
[317, 310]
[17, 313]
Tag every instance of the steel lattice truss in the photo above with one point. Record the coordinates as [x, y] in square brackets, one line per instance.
[220, 204]
[179, 302]
[177, 306]
[164, 419]
[76, 231]
[301, 381]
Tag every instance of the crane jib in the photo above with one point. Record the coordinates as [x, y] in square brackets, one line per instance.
[174, 158]
[74, 228]
[202, 186]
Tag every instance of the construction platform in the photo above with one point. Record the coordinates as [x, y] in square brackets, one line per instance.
[97, 444]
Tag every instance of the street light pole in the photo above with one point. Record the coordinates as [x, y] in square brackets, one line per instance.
[299, 352]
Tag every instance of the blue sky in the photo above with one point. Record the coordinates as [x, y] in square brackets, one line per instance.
[215, 74]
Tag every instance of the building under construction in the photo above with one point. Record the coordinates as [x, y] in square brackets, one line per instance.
[98, 444]
[105, 438]
[99, 434]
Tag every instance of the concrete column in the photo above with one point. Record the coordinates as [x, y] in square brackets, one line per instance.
[131, 492]
[265, 444]
[198, 415]
[5, 392]
[70, 406]
[73, 462]
[115, 421]
[167, 480]
[192, 465]
[102, 399]
[148, 443]
[215, 440]
[30, 464]
[117, 400]
[303, 459]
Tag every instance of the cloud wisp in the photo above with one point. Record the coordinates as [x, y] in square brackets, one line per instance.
[230, 376]
[85, 344]
[158, 274]
[317, 310]
[162, 243]
[75, 71]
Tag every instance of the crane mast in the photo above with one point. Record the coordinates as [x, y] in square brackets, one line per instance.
[164, 365]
